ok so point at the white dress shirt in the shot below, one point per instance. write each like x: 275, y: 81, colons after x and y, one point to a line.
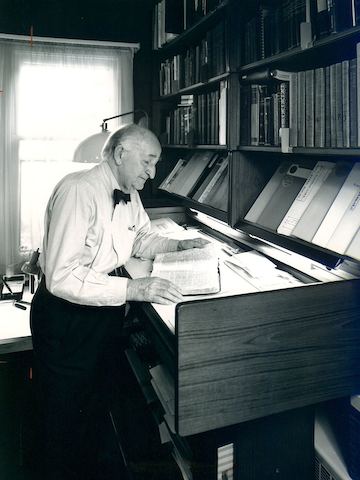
x: 86, y: 238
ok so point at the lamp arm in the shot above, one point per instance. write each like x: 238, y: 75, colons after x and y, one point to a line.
x: 104, y: 126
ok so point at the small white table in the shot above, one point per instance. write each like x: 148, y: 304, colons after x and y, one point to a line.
x: 15, y: 335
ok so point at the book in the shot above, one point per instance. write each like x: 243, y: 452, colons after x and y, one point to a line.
x: 319, y: 110
x: 218, y: 196
x: 222, y: 112
x: 311, y: 186
x: 167, y: 182
x: 191, y: 172
x: 208, y: 173
x: 347, y: 227
x: 309, y: 108
x: 353, y: 102
x: 194, y: 271
x: 315, y: 212
x: 219, y: 167
x: 278, y: 195
x: 332, y: 16
x: 353, y: 250
x: 344, y: 199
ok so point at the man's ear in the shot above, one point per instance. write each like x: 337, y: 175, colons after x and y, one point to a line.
x: 118, y: 154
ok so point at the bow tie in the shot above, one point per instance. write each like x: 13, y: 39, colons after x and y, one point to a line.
x: 119, y: 196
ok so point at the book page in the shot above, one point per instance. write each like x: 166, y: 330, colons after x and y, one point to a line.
x: 194, y: 271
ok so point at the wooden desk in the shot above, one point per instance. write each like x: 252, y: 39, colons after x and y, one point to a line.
x: 256, y: 363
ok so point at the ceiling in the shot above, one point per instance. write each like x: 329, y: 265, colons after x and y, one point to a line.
x: 116, y: 20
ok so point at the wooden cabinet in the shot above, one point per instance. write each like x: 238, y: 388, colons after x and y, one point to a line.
x: 262, y: 84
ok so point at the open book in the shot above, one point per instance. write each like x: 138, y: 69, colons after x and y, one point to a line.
x: 194, y: 271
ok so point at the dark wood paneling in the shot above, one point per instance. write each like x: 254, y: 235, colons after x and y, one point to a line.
x: 249, y: 356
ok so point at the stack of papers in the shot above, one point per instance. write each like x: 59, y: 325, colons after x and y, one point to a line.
x: 261, y: 272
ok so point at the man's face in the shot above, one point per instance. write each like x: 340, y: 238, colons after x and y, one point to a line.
x: 138, y: 163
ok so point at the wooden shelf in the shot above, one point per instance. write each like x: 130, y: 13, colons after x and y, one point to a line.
x: 202, y: 207
x: 349, y: 152
x: 196, y: 147
x: 195, y: 87
x: 297, y: 56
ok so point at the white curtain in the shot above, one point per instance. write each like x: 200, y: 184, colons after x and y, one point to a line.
x: 52, y: 96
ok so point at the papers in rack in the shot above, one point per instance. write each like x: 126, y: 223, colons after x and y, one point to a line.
x: 194, y: 271
x: 165, y: 225
x: 260, y: 272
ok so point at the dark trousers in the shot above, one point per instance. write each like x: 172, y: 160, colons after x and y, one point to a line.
x: 75, y: 350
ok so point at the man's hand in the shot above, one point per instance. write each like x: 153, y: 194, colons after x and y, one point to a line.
x: 154, y: 289
x: 192, y: 243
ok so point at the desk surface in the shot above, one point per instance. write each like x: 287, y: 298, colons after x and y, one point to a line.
x: 231, y: 284
x: 15, y: 332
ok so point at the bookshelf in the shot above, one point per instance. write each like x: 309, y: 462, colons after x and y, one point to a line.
x: 188, y: 110
x: 307, y: 114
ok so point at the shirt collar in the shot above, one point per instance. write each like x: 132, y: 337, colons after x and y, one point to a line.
x: 110, y: 179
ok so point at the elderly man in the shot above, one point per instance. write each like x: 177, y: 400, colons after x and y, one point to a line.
x: 94, y: 222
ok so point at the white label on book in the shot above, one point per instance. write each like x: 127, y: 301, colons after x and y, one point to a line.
x: 225, y: 462
x: 312, y: 185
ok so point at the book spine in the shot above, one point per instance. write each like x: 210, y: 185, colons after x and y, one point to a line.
x: 293, y: 109
x: 339, y: 106
x: 319, y: 107
x: 284, y: 104
x: 358, y: 90
x: 212, y: 182
x: 309, y: 108
x: 346, y: 103
x: 301, y: 108
x: 254, y: 115
x: 327, y: 108
x: 333, y: 123
x: 339, y: 206
x: 353, y: 103
x: 223, y: 113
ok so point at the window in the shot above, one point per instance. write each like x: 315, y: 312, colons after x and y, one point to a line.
x: 57, y: 108
x: 57, y: 95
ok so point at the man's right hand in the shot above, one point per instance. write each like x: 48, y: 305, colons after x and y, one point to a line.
x: 154, y: 289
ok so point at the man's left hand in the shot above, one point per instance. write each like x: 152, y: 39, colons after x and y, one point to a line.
x: 192, y: 243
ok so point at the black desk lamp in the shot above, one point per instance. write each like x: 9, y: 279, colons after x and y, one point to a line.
x: 89, y: 150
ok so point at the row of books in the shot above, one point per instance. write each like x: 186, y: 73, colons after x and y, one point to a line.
x: 196, y: 64
x: 320, y: 205
x: 171, y: 17
x: 199, y: 119
x: 167, y: 22
x: 195, y: 10
x: 202, y: 176
x: 274, y: 27
x: 320, y: 106
x: 264, y: 110
x: 333, y: 16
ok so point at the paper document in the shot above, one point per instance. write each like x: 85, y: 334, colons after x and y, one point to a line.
x: 194, y: 271
x: 261, y: 272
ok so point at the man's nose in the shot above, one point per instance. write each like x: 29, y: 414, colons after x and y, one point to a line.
x: 150, y: 171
